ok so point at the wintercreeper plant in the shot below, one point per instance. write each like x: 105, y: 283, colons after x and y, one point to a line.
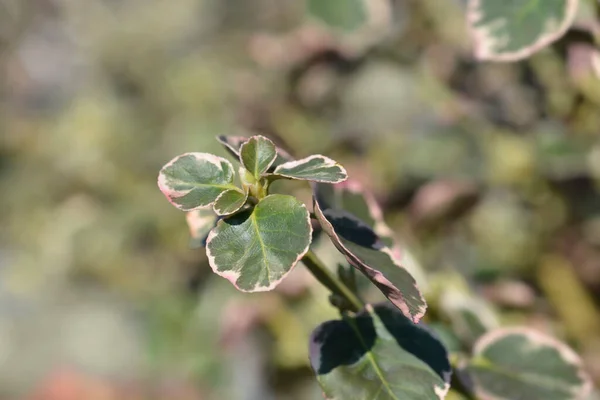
x: 375, y: 351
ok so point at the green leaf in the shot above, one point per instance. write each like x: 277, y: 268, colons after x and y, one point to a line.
x: 230, y: 201
x: 520, y: 363
x: 200, y: 222
x: 195, y: 180
x: 345, y: 15
x: 233, y: 143
x: 513, y: 30
x: 379, y: 354
x: 352, y: 197
x: 366, y: 252
x: 315, y: 168
x: 255, y: 249
x: 257, y: 155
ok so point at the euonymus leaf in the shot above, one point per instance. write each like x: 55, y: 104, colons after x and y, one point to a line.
x: 379, y: 354
x: 315, y: 168
x: 255, y: 249
x: 257, y: 155
x: 513, y: 30
x: 230, y: 201
x: 200, y: 222
x: 195, y: 180
x: 346, y: 15
x: 519, y: 363
x: 365, y: 251
x: 350, y: 196
x: 233, y: 143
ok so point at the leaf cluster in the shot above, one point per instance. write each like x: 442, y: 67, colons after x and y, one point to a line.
x: 375, y: 351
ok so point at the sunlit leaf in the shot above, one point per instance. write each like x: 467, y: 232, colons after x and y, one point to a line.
x: 233, y: 143
x: 257, y: 155
x: 379, y: 354
x: 519, y: 363
x: 256, y: 248
x: 513, y: 30
x: 230, y: 201
x: 315, y: 168
x: 195, y: 180
x: 366, y: 251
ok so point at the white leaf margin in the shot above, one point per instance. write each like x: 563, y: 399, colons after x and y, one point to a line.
x: 233, y: 276
x: 327, y: 163
x: 535, y: 337
x: 172, y: 194
x: 258, y: 138
x: 484, y: 42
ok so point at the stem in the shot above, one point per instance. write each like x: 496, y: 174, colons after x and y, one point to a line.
x: 330, y: 281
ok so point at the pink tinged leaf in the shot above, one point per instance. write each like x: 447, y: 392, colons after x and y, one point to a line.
x: 365, y: 251
x: 194, y: 180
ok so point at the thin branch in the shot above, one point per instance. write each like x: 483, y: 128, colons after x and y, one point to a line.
x: 330, y: 281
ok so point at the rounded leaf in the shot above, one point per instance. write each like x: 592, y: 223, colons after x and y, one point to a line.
x: 257, y: 155
x: 233, y: 143
x: 316, y: 168
x: 379, y: 354
x: 520, y: 363
x: 255, y: 249
x: 513, y: 30
x: 230, y: 201
x: 195, y: 180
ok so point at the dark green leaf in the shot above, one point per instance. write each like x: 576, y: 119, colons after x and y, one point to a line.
x: 255, y: 249
x: 379, y: 354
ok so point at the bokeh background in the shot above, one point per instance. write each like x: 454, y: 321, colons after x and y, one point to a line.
x: 488, y: 173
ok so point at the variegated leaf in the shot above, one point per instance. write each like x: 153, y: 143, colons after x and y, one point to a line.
x: 256, y: 248
x: 366, y: 251
x: 352, y: 197
x: 379, y: 354
x: 195, y: 180
x: 200, y: 222
x: 230, y: 201
x: 257, y: 155
x: 233, y: 143
x: 511, y: 30
x: 316, y: 168
x: 520, y: 363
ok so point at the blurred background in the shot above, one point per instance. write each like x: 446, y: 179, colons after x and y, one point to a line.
x: 488, y: 174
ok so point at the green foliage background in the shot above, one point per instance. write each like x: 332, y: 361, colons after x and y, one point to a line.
x: 488, y: 172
